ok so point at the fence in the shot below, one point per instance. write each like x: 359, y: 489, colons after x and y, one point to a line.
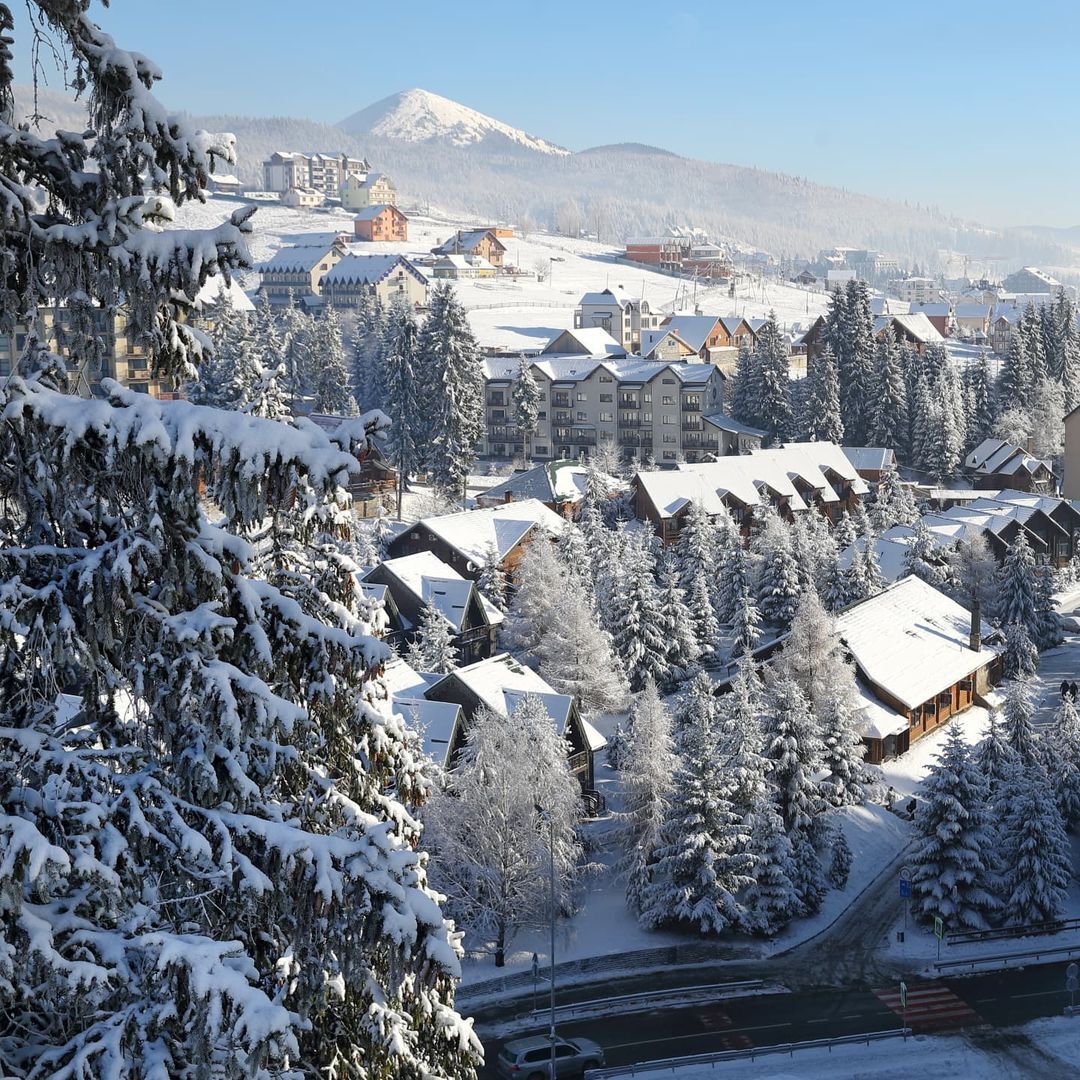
x: 969, y: 937
x: 1064, y: 952
x: 751, y: 1054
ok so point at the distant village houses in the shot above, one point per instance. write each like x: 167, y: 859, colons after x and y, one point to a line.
x: 362, y: 189
x: 381, y: 222
x: 479, y: 242
x: 285, y: 170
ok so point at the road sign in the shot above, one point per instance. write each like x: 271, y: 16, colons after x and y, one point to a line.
x: 939, y: 927
x: 903, y: 995
x: 536, y: 965
x: 905, y: 889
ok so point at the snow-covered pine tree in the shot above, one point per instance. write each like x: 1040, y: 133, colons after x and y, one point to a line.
x: 771, y: 901
x: 1017, y: 588
x: 266, y: 396
x: 576, y: 655
x: 778, y: 574
x: 636, y: 617
x: 925, y: 559
x: 454, y: 370
x: 677, y: 624
x: 746, y: 392
x: 840, y: 863
x: 224, y: 735
x: 647, y: 770
x: 894, y: 503
x: 953, y: 859
x: 821, y: 420
x: 403, y: 394
x: 1018, y: 714
x: 808, y: 877
x: 980, y: 400
x: 734, y: 580
x: 1046, y: 418
x: 492, y: 581
x: 772, y: 365
x: 1061, y: 758
x: 1020, y: 660
x: 1015, y: 378
x: 794, y: 750
x: 540, y: 580
x: 1047, y: 621
x: 490, y: 839
x: 212, y: 385
x: 433, y: 648
x: 889, y: 426
x: 368, y: 376
x: 855, y: 363
x: 331, y: 390
x: 922, y: 419
x: 703, y: 862
x: 526, y: 396
x: 1035, y: 851
x: 740, y: 739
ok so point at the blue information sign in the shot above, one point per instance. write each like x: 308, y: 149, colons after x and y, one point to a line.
x: 905, y: 889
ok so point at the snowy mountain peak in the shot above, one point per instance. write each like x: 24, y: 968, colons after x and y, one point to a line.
x: 421, y: 116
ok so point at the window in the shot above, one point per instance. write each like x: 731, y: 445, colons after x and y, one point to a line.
x: 581, y: 396
x: 668, y: 382
x: 667, y: 399
x: 607, y: 417
x: 540, y: 451
x: 543, y: 396
x: 605, y: 378
x: 668, y: 438
x: 582, y: 416
x: 542, y: 415
x: 647, y: 397
x: 646, y: 418
x: 669, y: 455
x: 605, y: 397
x: 668, y: 419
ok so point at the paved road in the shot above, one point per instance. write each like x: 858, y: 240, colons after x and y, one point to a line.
x: 997, y: 999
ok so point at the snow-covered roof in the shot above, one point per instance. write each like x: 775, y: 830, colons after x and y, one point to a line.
x: 932, y: 309
x: 743, y: 477
x: 436, y: 721
x: 400, y: 678
x: 887, y: 305
x: 369, y: 213
x: 210, y: 294
x: 587, y: 341
x: 652, y: 339
x: 555, y: 481
x: 915, y: 324
x: 732, y: 323
x: 985, y: 450
x: 466, y: 240
x: 694, y: 330
x: 911, y: 641
x: 368, y: 270
x: 601, y: 299
x: 972, y: 311
x: 878, y: 720
x: 297, y: 258
x: 473, y: 532
x: 428, y: 578
x: 870, y: 458
x: 462, y: 262
x: 725, y: 423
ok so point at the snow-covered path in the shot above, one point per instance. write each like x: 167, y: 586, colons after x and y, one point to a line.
x: 1062, y: 663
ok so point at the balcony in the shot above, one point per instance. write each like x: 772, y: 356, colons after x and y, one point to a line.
x: 629, y: 401
x: 497, y: 399
x: 692, y: 425
x: 560, y: 401
x: 691, y: 406
x: 634, y: 440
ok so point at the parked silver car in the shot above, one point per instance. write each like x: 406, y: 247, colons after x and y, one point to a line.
x: 530, y: 1059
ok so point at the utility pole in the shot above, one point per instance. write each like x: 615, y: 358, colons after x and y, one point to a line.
x: 545, y: 815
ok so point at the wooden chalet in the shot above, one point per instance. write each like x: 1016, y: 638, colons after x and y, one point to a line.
x: 499, y: 684
x: 871, y: 462
x: 468, y: 539
x: 920, y: 658
x: 375, y: 478
x: 413, y: 581
x: 995, y: 464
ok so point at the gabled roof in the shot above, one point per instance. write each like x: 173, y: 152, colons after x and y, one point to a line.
x: 462, y: 262
x: 585, y: 341
x: 369, y: 213
x: 912, y: 641
x: 732, y: 324
x: 985, y: 450
x: 726, y: 423
x: 471, y: 533
x: 915, y: 324
x: 870, y: 458
x: 437, y: 723
x: 466, y: 240
x: 373, y: 178
x: 555, y: 481
x: 692, y: 330
x: 209, y: 296
x: 369, y: 270
x: 298, y: 258
x: 652, y: 339
x: 601, y: 299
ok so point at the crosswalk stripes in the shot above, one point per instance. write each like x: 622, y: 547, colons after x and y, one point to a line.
x: 930, y: 1005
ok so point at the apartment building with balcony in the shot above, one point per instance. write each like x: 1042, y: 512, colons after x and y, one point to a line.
x: 325, y: 173
x: 647, y: 410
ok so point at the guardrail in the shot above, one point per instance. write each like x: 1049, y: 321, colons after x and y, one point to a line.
x: 685, y: 995
x: 750, y: 1054
x: 1001, y: 933
x: 1063, y: 952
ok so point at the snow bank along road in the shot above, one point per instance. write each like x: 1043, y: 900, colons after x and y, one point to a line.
x: 997, y: 999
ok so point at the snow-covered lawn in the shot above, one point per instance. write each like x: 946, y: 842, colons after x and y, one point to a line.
x: 522, y: 312
x: 944, y: 1057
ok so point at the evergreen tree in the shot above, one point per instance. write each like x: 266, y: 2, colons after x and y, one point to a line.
x: 492, y: 579
x: 186, y: 853
x: 1015, y: 379
x: 266, y: 397
x: 771, y: 900
x: 741, y: 740
x: 889, y: 426
x: 402, y: 391
x: 980, y: 401
x: 1018, y: 714
x: 638, y: 623
x: 677, y: 625
x: 772, y: 365
x: 794, y: 750
x: 454, y: 373
x: 953, y: 877
x: 648, y: 770
x: 894, y: 504
x: 703, y: 862
x: 212, y: 385
x: 922, y: 418
x: 840, y: 865
x: 746, y: 392
x: 821, y: 420
x: 1035, y: 853
x: 925, y: 559
x: 808, y: 879
x: 1018, y: 589
x: 745, y: 626
x: 1047, y: 621
x: 855, y: 363
x: 733, y: 577
x: 1020, y: 660
x: 368, y: 375
x: 994, y: 759
x: 778, y: 576
x: 1061, y: 758
x: 433, y: 650
x: 526, y: 404
x: 331, y: 391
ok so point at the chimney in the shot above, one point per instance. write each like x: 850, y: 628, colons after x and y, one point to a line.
x: 1031, y: 445
x: 975, y: 637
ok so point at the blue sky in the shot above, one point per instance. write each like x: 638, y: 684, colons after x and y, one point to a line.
x: 966, y: 106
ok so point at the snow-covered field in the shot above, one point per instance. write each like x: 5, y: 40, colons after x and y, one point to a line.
x: 944, y: 1057
x: 524, y: 313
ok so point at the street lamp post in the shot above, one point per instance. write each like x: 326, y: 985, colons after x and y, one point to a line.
x: 545, y: 815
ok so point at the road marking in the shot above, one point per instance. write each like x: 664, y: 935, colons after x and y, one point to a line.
x: 821, y: 1020
x: 852, y: 1016
x: 1037, y: 993
x: 697, y: 1035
